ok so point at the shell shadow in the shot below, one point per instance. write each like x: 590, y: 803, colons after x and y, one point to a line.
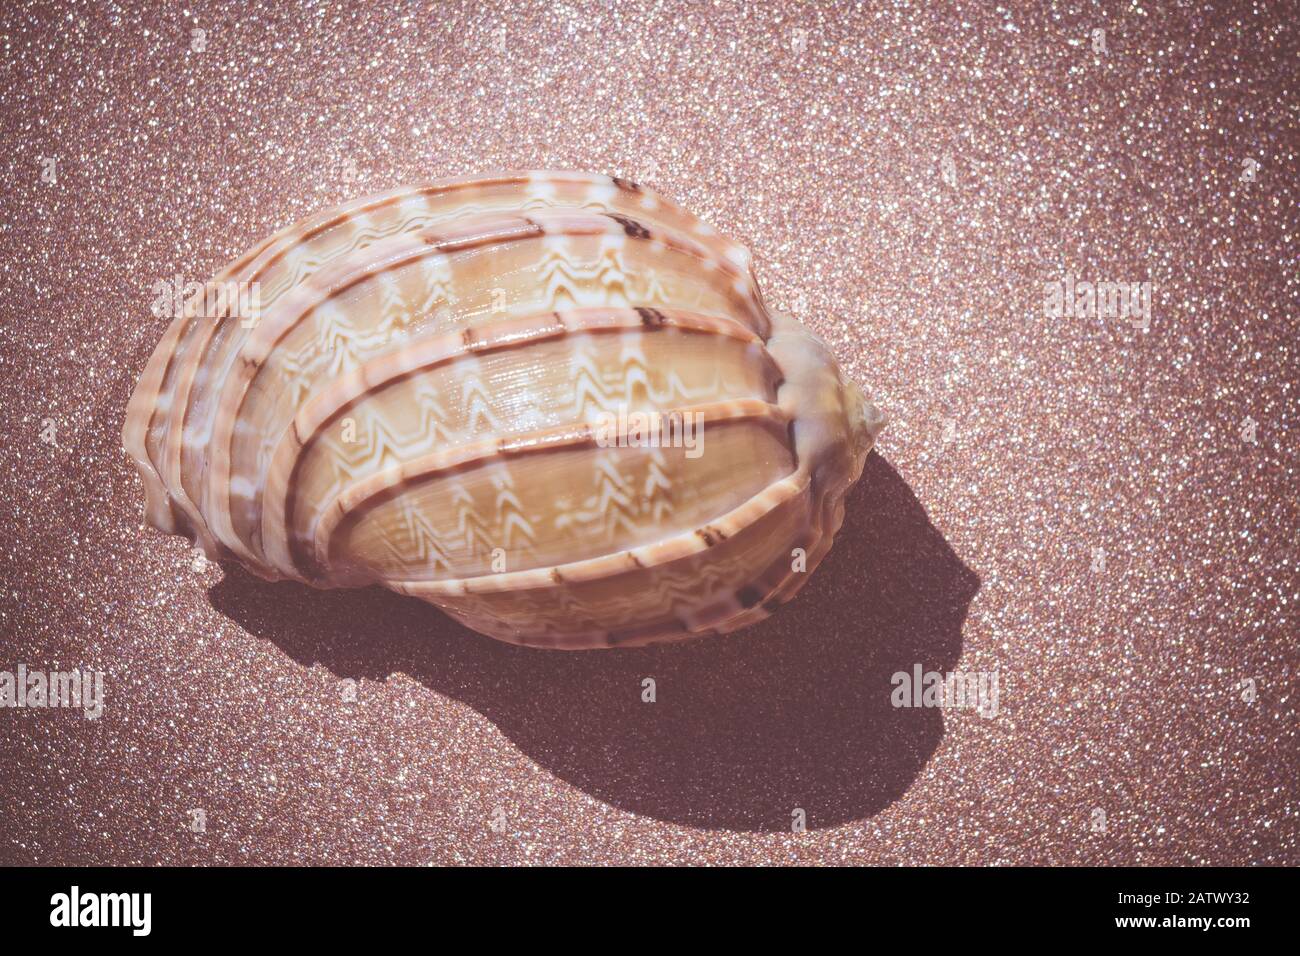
x: 792, y: 713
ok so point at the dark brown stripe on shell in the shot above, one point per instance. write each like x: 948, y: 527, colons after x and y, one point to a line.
x: 630, y: 226
x: 651, y: 318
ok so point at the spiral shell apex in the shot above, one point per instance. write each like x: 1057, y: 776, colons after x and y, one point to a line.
x: 552, y: 404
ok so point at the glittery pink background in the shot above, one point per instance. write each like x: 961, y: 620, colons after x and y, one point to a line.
x: 1155, y: 686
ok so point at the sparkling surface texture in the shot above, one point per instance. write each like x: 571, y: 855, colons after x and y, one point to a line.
x: 1104, y: 515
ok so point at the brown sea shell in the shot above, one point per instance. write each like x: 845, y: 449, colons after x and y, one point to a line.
x: 552, y: 404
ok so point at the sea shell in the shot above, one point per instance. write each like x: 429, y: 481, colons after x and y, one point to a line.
x: 451, y: 389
